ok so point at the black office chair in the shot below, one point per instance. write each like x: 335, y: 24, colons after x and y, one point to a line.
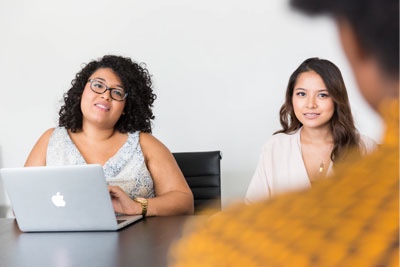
x: 202, y: 171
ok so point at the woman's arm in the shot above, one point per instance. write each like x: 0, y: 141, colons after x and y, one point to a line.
x: 37, y: 157
x: 173, y: 195
x: 258, y: 188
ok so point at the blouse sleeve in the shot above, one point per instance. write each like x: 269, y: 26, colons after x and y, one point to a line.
x: 258, y: 188
x: 368, y: 145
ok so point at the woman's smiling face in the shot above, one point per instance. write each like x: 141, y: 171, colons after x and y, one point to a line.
x: 101, y: 108
x: 312, y: 103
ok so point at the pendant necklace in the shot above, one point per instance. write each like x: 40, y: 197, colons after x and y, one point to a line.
x: 321, y: 168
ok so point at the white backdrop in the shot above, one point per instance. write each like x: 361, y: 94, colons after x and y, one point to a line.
x: 220, y: 68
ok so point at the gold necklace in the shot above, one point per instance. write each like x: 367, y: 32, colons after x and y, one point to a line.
x: 321, y: 168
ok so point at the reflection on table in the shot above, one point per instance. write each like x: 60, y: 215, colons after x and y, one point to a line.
x: 144, y: 243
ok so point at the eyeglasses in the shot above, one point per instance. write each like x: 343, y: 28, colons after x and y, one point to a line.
x: 99, y: 87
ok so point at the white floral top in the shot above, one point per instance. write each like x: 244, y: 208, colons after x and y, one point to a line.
x: 126, y: 168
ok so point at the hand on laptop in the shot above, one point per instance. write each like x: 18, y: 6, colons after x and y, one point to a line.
x: 122, y: 203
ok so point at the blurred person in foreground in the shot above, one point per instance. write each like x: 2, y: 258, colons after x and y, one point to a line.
x: 349, y: 220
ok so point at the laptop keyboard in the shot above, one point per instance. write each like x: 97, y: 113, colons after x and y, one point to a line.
x: 120, y: 221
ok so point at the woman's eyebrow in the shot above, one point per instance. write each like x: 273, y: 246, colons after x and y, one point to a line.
x: 98, y: 78
x: 103, y: 80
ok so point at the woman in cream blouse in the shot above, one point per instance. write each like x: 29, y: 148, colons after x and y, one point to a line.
x: 317, y: 132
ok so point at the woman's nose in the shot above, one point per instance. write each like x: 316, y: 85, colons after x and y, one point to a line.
x: 311, y: 103
x: 106, y: 95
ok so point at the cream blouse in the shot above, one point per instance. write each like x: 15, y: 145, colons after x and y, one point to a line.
x: 281, y: 167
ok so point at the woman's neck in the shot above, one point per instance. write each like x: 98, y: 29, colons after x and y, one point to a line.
x: 316, y: 149
x: 316, y: 135
x: 97, y: 134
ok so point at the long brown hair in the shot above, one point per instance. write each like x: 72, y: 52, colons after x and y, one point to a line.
x: 345, y: 134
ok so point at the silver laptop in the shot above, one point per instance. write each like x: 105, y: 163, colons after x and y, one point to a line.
x: 62, y: 198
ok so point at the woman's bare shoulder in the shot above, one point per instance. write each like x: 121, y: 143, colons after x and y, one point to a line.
x: 151, y: 146
x: 37, y: 156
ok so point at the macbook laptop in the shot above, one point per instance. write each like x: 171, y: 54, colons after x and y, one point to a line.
x: 62, y: 198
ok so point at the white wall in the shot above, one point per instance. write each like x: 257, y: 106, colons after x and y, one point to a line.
x: 220, y: 69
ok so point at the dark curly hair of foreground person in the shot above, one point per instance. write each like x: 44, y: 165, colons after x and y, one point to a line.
x: 136, y: 81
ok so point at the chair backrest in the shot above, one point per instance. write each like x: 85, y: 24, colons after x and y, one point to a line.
x: 202, y: 171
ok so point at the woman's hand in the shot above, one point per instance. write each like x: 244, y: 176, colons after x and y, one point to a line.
x: 122, y: 203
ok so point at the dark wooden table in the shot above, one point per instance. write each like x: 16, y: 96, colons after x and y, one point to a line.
x: 145, y: 243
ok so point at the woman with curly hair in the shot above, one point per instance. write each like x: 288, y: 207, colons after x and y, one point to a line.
x: 106, y: 119
x: 317, y: 132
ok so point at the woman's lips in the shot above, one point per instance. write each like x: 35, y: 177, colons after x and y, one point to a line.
x: 102, y: 106
x: 311, y: 115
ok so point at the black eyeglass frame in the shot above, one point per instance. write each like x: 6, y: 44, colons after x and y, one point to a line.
x: 107, y: 89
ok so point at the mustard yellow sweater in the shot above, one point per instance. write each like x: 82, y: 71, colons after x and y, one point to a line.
x: 351, y: 220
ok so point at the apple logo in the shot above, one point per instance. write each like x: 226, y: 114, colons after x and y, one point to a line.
x: 58, y: 200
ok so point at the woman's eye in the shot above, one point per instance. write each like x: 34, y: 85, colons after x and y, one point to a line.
x: 300, y: 93
x: 118, y: 93
x: 98, y: 85
x: 323, y: 95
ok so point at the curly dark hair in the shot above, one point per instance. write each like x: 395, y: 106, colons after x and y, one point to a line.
x: 136, y: 81
x: 345, y: 135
